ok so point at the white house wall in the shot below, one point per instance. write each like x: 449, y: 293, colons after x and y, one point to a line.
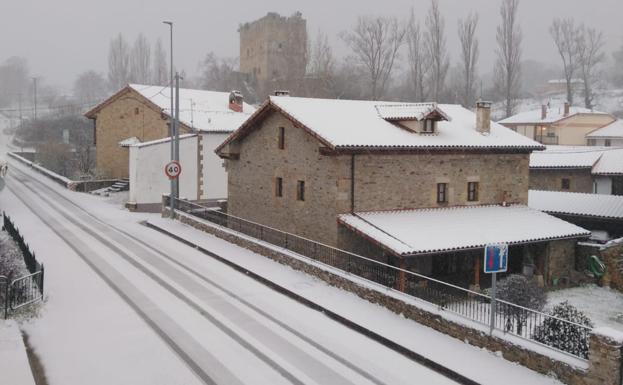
x: 147, y: 179
x: 214, y: 174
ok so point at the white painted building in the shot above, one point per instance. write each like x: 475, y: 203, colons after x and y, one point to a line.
x: 212, y: 116
x: 609, y: 135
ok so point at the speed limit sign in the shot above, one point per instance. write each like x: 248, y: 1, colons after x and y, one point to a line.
x: 173, y: 169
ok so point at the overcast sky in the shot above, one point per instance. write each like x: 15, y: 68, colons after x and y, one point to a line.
x: 61, y: 38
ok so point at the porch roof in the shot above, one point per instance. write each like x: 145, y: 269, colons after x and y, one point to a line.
x: 438, y: 230
x: 578, y: 204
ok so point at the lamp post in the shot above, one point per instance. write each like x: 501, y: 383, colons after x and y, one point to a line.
x: 172, y: 127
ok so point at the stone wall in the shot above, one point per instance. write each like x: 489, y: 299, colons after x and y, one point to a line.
x: 604, y: 358
x: 581, y: 180
x: 560, y: 261
x: 130, y: 115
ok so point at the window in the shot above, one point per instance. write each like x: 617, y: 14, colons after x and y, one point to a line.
x: 607, y: 143
x: 282, y: 138
x: 300, y: 190
x: 278, y: 187
x: 566, y: 183
x: 592, y: 142
x: 136, y: 111
x: 472, y: 191
x: 442, y: 193
x: 429, y: 126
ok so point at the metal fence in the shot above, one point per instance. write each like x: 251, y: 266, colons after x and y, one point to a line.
x: 508, y: 318
x: 25, y: 290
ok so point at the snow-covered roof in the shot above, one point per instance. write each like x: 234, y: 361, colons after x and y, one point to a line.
x: 409, y: 111
x: 428, y: 231
x: 612, y: 130
x: 129, y: 141
x: 199, y: 109
x: 566, y: 157
x: 601, y: 160
x: 593, y: 205
x: 610, y: 163
x: 352, y: 124
x: 554, y: 114
x: 159, y: 141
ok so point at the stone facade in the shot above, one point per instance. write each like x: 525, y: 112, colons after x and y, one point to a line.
x: 273, y: 50
x: 381, y: 181
x: 604, y: 364
x: 129, y: 115
x: 580, y: 180
x: 560, y: 261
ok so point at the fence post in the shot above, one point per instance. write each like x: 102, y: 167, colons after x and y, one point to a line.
x: 6, y: 299
x: 41, y: 278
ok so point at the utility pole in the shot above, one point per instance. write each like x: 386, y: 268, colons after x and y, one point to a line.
x: 177, y: 133
x: 172, y: 127
x: 35, y: 86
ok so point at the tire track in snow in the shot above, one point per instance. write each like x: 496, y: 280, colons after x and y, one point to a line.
x: 306, y: 363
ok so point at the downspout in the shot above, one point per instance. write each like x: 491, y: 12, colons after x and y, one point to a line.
x: 352, y: 183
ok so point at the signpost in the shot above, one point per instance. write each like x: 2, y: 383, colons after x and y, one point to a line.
x: 173, y: 169
x: 496, y: 261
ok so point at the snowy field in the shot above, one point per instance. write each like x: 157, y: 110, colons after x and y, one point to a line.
x: 604, y: 306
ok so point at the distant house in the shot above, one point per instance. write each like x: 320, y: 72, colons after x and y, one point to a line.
x: 563, y: 125
x: 608, y: 135
x: 598, y: 213
x: 417, y: 185
x: 132, y: 140
x: 578, y: 169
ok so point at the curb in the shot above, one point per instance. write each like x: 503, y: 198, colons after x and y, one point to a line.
x: 449, y: 373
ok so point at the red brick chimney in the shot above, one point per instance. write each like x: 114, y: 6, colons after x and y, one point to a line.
x: 543, y: 111
x: 566, y: 109
x: 236, y: 101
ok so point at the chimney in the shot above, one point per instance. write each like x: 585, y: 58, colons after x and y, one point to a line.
x: 483, y: 117
x: 236, y: 101
x: 281, y: 93
x: 566, y: 109
x: 543, y: 111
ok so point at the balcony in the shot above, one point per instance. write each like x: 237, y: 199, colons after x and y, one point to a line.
x: 547, y: 139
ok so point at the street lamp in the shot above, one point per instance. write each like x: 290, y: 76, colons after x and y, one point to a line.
x: 172, y: 127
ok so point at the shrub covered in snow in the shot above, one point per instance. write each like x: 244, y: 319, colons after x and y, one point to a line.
x: 519, y: 290
x: 564, y: 335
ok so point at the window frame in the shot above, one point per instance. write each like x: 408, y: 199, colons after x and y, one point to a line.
x: 565, y: 182
x: 279, y: 187
x: 442, y: 193
x: 300, y: 190
x: 425, y: 127
x: 607, y: 143
x: 281, y: 138
x: 472, y: 191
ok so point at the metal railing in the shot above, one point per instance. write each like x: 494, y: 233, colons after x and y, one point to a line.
x: 509, y: 318
x: 25, y: 290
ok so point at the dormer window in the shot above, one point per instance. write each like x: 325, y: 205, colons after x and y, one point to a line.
x: 429, y: 126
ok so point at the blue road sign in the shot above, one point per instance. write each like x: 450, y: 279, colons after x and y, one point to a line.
x: 496, y: 258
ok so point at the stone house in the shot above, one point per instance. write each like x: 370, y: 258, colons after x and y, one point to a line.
x: 597, y: 170
x: 141, y: 113
x: 422, y: 186
x: 563, y: 125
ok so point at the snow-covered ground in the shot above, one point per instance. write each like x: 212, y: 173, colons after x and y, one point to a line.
x: 85, y: 322
x: 603, y: 305
x: 14, y: 366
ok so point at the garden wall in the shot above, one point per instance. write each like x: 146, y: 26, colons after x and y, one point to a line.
x: 604, y: 364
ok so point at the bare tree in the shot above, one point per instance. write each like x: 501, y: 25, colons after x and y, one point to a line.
x: 565, y: 35
x: 469, y: 58
x: 160, y: 67
x: 376, y: 41
x: 140, y: 61
x: 218, y: 74
x: 418, y: 59
x: 507, y: 73
x: 90, y: 87
x: 617, y: 70
x: 590, y: 54
x: 321, y: 66
x: 435, y: 42
x: 118, y: 63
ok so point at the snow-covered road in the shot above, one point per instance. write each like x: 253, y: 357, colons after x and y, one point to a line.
x: 166, y: 318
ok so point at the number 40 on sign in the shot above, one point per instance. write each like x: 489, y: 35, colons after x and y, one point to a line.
x: 173, y: 169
